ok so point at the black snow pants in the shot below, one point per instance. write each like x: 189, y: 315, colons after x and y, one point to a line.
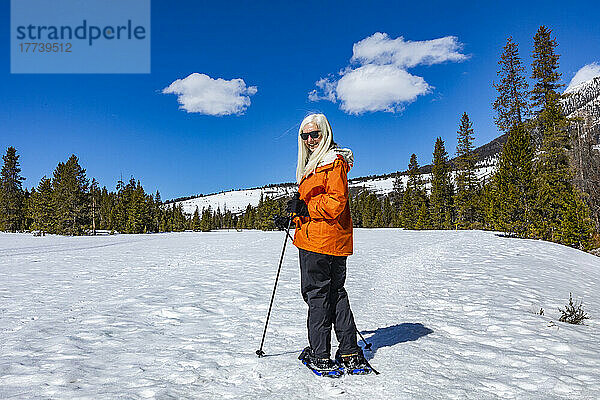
x: 322, y: 279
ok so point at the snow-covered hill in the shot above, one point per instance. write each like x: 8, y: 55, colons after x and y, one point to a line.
x: 450, y: 314
x: 583, y: 102
x: 237, y: 200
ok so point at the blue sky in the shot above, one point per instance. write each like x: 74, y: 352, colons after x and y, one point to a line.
x: 124, y: 125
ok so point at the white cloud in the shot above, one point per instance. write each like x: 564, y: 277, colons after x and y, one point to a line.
x: 378, y: 88
x: 328, y: 89
x: 380, y: 49
x: 377, y: 77
x: 199, y: 93
x: 586, y: 73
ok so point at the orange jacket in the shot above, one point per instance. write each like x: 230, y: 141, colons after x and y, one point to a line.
x: 328, y: 230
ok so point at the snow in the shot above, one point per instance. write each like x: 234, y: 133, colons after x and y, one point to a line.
x: 584, y: 77
x: 583, y: 101
x: 451, y: 314
x: 380, y: 186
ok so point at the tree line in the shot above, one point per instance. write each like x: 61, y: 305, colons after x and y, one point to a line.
x: 69, y: 204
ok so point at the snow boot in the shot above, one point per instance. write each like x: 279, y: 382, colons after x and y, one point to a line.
x: 320, y: 366
x: 355, y: 363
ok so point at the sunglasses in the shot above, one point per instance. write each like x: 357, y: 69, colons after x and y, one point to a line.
x: 313, y: 134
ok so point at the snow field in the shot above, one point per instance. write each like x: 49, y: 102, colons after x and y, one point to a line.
x: 180, y: 315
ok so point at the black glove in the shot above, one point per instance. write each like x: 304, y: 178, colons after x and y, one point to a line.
x: 281, y: 222
x: 297, y: 206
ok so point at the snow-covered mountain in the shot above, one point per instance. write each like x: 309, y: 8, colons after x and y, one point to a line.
x: 450, y: 315
x: 583, y: 103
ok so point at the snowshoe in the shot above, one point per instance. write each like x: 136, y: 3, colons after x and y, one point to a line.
x: 320, y: 366
x: 354, y: 364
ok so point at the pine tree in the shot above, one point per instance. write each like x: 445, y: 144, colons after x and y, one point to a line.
x: 407, y: 213
x: 356, y: 210
x: 260, y: 212
x: 415, y: 181
x: 511, y: 191
x: 396, y: 197
x: 544, y: 95
x: 441, y: 188
x: 247, y: 219
x: 42, y: 211
x: 575, y: 228
x: 151, y: 218
x: 240, y: 222
x: 228, y: 218
x: 512, y: 184
x: 371, y: 215
x: 265, y: 212
x: 161, y: 213
x: 163, y: 225
x: 95, y: 201
x: 158, y: 213
x: 511, y: 105
x: 557, y: 199
x: 28, y: 208
x: 397, y: 190
x: 11, y: 192
x: 206, y: 222
x: 136, y: 208
x: 218, y: 219
x: 106, y: 203
x: 388, y: 214
x: 196, y: 220
x: 118, y: 212
x: 466, y: 180
x: 70, y: 198
x: 552, y: 165
x: 367, y: 213
x: 423, y: 217
x: 488, y: 208
x: 178, y: 218
x: 414, y: 195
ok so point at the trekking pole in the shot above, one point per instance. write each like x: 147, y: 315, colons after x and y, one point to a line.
x: 260, y: 352
x: 368, y: 347
x: 367, y: 344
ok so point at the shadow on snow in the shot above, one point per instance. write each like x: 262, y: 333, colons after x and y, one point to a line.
x: 392, y: 335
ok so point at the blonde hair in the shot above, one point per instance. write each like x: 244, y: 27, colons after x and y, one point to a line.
x: 307, y: 161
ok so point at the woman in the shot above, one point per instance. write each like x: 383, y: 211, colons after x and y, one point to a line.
x: 324, y: 239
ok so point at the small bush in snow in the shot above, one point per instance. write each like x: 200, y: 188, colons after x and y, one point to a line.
x: 572, y: 314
